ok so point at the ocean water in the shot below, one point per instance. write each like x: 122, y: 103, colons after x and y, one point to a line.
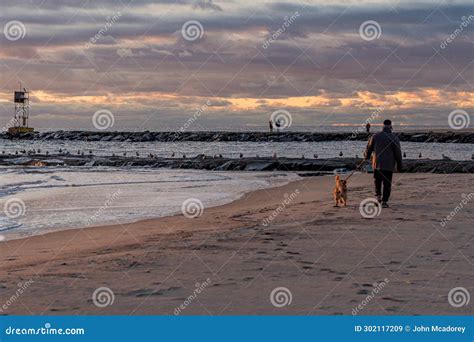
x: 42, y: 200
x: 327, y: 149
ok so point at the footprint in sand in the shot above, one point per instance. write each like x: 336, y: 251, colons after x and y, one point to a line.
x: 63, y: 309
x: 224, y: 284
x: 306, y: 262
x: 151, y: 292
x: 393, y: 299
x: 327, y: 270
x: 362, y: 292
x: 393, y: 308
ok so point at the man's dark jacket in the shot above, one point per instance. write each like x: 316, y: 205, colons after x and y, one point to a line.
x: 384, y: 148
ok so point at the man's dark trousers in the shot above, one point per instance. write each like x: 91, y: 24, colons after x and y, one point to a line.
x: 385, y: 177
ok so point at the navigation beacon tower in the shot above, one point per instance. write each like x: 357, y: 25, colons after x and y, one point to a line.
x: 22, y: 112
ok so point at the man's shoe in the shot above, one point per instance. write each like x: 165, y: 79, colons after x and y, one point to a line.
x: 385, y: 205
x: 379, y: 199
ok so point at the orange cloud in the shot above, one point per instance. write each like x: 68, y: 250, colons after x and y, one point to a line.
x: 364, y: 100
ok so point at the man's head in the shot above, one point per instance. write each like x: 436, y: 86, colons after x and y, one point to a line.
x: 387, y: 125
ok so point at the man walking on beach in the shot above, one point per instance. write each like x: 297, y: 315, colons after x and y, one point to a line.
x: 384, y: 148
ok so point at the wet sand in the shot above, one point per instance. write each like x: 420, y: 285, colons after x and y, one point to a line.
x: 330, y: 259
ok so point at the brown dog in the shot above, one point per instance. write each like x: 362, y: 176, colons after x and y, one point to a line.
x: 340, y: 192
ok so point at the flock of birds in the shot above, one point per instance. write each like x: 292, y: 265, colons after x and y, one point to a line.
x: 173, y: 154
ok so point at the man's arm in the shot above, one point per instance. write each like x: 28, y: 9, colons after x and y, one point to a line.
x: 369, y: 149
x: 397, y: 150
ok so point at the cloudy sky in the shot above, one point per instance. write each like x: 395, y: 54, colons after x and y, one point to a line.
x: 153, y: 64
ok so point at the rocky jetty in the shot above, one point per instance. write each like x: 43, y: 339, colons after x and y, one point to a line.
x: 203, y: 162
x: 438, y: 136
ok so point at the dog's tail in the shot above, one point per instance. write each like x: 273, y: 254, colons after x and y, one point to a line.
x: 337, y: 178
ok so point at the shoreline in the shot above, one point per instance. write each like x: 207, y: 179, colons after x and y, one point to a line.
x: 217, y: 202
x: 327, y: 257
x: 148, y: 220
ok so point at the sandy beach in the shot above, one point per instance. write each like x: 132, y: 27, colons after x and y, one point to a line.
x: 329, y: 259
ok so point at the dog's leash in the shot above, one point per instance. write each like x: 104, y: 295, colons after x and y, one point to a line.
x: 356, y: 169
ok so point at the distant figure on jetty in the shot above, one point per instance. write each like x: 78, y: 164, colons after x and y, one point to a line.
x: 445, y: 157
x: 420, y: 156
x: 315, y: 156
x: 241, y: 155
x: 404, y: 155
x: 367, y: 127
x: 270, y: 126
x: 278, y: 125
x: 341, y: 154
x: 385, y: 151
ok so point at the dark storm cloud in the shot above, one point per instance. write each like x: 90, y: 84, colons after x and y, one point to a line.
x: 76, y: 24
